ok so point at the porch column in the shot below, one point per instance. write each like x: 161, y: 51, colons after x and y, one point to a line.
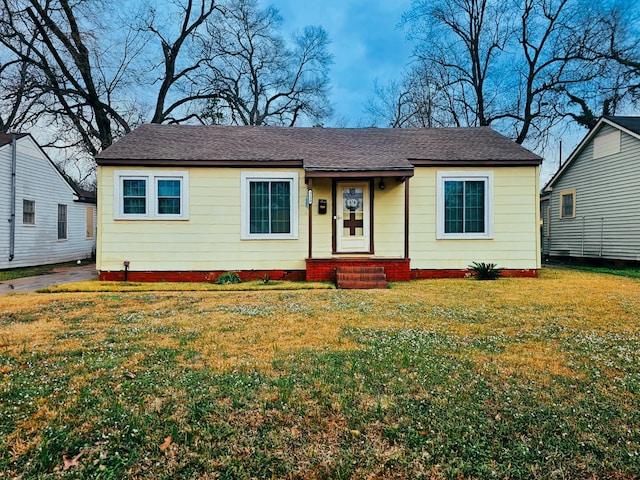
x: 310, y: 187
x: 406, y: 218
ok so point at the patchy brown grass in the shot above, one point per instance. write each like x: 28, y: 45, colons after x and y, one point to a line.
x: 328, y: 383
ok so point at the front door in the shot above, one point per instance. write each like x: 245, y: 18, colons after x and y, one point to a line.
x: 352, y: 217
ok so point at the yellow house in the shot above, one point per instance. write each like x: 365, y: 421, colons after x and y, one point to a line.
x: 181, y: 202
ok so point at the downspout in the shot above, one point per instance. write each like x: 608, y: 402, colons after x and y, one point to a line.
x: 12, y: 219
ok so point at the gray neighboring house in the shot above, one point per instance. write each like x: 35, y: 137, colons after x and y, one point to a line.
x: 590, y: 209
x: 45, y: 219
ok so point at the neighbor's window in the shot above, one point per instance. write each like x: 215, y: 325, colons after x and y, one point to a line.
x: 28, y: 212
x: 464, y: 205
x: 568, y: 204
x: 62, y: 222
x: 269, y: 205
x: 146, y: 195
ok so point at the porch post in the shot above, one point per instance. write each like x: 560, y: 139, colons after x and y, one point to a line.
x: 406, y: 218
x: 310, y: 187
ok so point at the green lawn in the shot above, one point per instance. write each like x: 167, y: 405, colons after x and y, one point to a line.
x: 456, y: 379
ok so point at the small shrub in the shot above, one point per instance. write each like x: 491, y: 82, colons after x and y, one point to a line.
x: 485, y: 271
x: 266, y: 279
x: 229, y: 277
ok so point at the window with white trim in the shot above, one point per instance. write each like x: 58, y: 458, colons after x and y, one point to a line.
x: 146, y: 195
x: 464, y: 205
x: 269, y: 205
x: 28, y: 212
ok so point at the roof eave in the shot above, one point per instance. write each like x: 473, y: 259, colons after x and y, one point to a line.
x: 150, y: 162
x: 357, y: 173
x: 419, y: 162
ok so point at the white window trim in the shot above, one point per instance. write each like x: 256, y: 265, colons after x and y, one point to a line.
x: 151, y: 178
x: 455, y: 175
x: 35, y: 217
x: 247, y: 177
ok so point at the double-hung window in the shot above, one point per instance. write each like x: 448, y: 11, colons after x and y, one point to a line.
x: 568, y: 204
x: 28, y: 212
x: 146, y: 195
x: 464, y: 205
x: 62, y: 222
x: 269, y: 205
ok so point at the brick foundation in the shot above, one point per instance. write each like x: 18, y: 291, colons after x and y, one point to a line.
x: 211, y: 276
x: 430, y: 274
x: 324, y: 269
x: 318, y: 270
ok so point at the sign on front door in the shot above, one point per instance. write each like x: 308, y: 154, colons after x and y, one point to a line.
x: 352, y: 217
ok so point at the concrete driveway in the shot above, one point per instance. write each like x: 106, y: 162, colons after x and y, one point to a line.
x: 58, y: 276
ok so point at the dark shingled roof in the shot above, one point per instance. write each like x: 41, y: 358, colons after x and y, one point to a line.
x: 5, y: 138
x: 316, y: 149
x: 630, y: 123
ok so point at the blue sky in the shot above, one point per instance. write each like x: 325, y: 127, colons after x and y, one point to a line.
x: 367, y: 46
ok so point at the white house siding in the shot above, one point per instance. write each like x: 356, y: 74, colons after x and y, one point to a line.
x: 38, y: 180
x: 607, y: 217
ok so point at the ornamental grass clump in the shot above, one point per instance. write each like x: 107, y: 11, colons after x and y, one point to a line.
x: 485, y: 271
x: 229, y: 277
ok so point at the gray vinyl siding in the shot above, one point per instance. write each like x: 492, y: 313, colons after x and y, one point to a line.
x: 607, y: 208
x: 38, y: 180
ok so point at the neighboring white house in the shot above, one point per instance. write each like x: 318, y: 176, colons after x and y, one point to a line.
x: 44, y: 218
x: 590, y: 208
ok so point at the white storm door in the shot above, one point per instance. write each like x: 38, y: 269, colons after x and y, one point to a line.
x: 352, y: 217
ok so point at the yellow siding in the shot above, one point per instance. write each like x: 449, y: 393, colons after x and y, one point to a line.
x: 208, y: 240
x: 322, y: 224
x: 388, y: 229
x: 515, y: 242
x: 211, y: 238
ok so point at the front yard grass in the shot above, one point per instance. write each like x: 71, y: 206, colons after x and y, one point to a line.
x: 456, y: 379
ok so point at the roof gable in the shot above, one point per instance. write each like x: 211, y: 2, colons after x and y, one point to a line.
x: 81, y: 194
x: 314, y: 149
x: 629, y: 125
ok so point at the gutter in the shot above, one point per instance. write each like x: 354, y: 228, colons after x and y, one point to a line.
x: 12, y: 219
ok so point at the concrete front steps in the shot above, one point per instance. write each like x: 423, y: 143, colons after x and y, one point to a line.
x: 361, y: 277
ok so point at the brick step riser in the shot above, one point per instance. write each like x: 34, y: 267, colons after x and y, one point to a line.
x: 365, y: 277
x: 360, y: 269
x: 362, y: 285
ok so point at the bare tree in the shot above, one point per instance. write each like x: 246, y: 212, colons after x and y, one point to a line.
x: 459, y: 44
x: 181, y: 78
x: 415, y: 101
x: 523, y: 66
x: 63, y: 79
x: 256, y: 76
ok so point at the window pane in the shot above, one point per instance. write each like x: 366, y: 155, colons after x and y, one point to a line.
x: 62, y: 222
x: 280, y: 207
x: 168, y: 188
x: 169, y: 197
x: 134, y: 193
x: 474, y: 207
x: 28, y: 212
x: 453, y: 206
x: 258, y: 207
x: 567, y: 205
